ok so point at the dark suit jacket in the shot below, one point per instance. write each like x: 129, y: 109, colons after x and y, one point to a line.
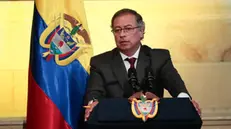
x: 108, y: 75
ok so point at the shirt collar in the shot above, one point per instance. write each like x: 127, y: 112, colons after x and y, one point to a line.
x: 136, y: 54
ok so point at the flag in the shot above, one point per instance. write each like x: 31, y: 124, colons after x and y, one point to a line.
x: 59, y: 64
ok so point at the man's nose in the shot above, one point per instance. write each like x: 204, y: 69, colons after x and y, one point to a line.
x: 122, y: 33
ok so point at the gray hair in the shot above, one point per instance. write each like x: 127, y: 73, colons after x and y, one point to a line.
x: 139, y: 19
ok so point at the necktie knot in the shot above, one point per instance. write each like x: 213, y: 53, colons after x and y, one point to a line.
x: 131, y: 61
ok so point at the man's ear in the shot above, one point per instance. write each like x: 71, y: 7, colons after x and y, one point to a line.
x: 142, y: 29
x: 142, y: 32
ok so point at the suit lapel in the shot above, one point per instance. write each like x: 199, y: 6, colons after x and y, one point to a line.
x: 143, y: 62
x: 120, y: 71
x: 119, y: 68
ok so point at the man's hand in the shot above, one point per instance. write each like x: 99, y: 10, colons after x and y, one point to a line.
x: 196, y: 105
x: 89, y: 109
x: 150, y: 95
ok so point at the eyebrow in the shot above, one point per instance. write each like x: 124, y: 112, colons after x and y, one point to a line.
x: 123, y: 26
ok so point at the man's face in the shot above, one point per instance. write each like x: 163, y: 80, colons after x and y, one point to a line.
x: 126, y: 33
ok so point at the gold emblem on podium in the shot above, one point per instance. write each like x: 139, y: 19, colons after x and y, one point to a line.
x: 144, y: 108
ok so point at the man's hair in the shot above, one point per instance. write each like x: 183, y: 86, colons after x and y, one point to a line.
x: 139, y: 18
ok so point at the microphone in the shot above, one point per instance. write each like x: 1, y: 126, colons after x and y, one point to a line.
x: 132, y: 80
x: 150, y: 79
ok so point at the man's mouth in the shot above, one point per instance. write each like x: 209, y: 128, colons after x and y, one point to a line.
x: 123, y: 42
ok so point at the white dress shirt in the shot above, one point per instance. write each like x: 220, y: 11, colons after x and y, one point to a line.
x: 126, y: 63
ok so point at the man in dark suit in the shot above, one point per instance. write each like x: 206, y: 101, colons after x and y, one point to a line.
x: 109, y: 71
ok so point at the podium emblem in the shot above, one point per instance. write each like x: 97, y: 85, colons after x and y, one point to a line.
x: 144, y: 109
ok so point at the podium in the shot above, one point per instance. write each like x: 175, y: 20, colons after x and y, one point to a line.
x: 173, y: 113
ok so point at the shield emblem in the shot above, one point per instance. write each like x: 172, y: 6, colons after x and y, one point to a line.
x: 61, y: 42
x: 144, y: 108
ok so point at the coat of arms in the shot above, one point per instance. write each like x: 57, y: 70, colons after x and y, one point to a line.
x: 65, y: 39
x: 144, y: 108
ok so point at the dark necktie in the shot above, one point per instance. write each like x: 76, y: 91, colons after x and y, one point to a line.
x: 131, y: 61
x: 128, y: 90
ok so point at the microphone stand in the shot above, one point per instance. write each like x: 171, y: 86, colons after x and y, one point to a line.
x: 133, y: 81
